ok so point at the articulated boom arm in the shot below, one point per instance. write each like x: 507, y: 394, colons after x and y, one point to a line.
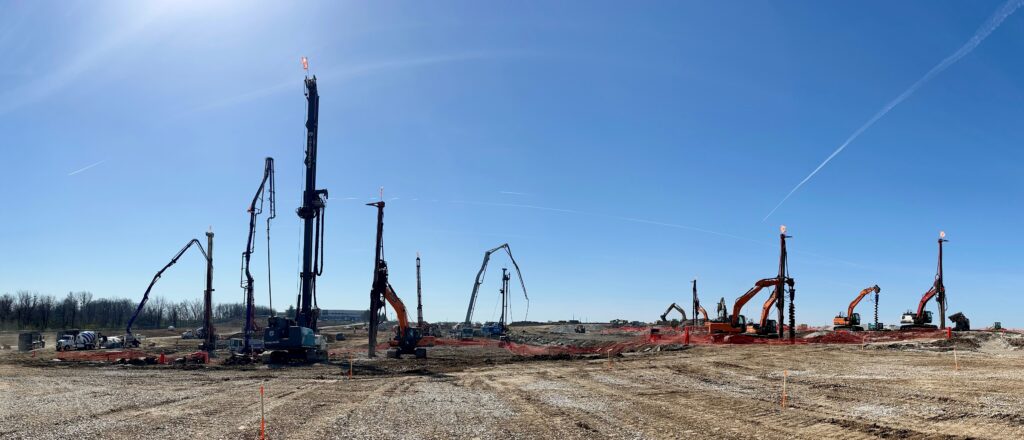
x: 742, y: 300
x: 145, y: 296
x: 931, y: 293
x: 664, y: 316
x: 480, y: 279
x: 860, y: 296
x: 767, y: 307
x: 399, y: 306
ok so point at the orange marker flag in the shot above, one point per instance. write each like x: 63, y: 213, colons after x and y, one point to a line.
x: 305, y: 64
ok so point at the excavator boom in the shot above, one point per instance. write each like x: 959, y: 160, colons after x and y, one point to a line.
x: 400, y: 310
x: 746, y: 297
x: 860, y: 296
x: 664, y: 316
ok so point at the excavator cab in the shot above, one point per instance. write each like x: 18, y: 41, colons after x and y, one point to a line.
x: 770, y: 327
x: 912, y: 320
x: 407, y: 343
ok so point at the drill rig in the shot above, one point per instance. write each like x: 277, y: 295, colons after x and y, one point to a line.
x: 296, y: 338
x: 736, y: 323
x: 209, y: 344
x: 407, y: 339
x: 697, y: 308
x: 255, y: 209
x: 922, y: 319
x: 851, y: 321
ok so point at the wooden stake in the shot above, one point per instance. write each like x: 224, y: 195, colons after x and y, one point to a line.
x: 350, y: 366
x: 263, y: 420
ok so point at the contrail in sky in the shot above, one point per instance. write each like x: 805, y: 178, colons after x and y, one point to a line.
x: 86, y: 168
x: 983, y: 32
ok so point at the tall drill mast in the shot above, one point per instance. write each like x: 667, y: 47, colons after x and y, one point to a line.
x: 419, y: 295
x: 312, y: 214
x: 380, y: 280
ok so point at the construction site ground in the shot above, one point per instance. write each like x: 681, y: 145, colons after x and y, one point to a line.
x: 908, y: 390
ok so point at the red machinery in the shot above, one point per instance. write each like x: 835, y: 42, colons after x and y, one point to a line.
x: 922, y: 319
x: 736, y: 323
x: 851, y: 321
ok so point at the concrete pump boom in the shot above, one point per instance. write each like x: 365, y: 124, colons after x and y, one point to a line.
x: 129, y: 338
x: 256, y: 208
x: 480, y: 279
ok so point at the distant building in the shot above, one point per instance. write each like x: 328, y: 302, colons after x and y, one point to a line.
x: 342, y: 315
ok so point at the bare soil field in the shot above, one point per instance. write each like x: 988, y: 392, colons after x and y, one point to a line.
x: 907, y: 390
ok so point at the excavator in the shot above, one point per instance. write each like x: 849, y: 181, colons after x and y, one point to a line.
x: 922, y: 319
x: 737, y: 323
x: 674, y: 306
x: 851, y: 321
x: 407, y: 339
x: 765, y: 326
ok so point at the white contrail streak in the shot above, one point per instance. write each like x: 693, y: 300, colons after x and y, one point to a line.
x: 86, y: 168
x: 983, y: 32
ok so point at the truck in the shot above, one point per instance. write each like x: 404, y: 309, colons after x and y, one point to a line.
x: 70, y: 340
x: 28, y: 341
x: 237, y: 345
x: 199, y: 333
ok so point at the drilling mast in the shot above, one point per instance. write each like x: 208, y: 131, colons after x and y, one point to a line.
x: 312, y: 214
x: 297, y: 339
x: 419, y: 295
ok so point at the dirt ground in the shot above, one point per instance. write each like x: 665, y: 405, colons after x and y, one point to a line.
x: 907, y: 390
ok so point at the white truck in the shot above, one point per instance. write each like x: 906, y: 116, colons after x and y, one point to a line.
x: 79, y: 340
x: 235, y: 345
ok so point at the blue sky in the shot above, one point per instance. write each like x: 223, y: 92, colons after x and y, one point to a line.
x: 602, y: 141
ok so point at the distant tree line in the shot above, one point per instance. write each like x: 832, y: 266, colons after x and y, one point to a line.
x: 31, y: 310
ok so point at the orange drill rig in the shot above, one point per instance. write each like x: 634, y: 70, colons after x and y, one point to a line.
x: 851, y: 321
x: 736, y: 323
x: 407, y: 339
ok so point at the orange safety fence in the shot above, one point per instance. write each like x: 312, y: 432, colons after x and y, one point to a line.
x: 105, y: 355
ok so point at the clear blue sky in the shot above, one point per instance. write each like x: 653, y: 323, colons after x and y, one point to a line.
x: 635, y: 122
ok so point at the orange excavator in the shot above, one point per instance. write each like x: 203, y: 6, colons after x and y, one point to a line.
x: 736, y: 323
x: 851, y: 321
x: 923, y: 318
x: 765, y: 326
x: 407, y: 339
